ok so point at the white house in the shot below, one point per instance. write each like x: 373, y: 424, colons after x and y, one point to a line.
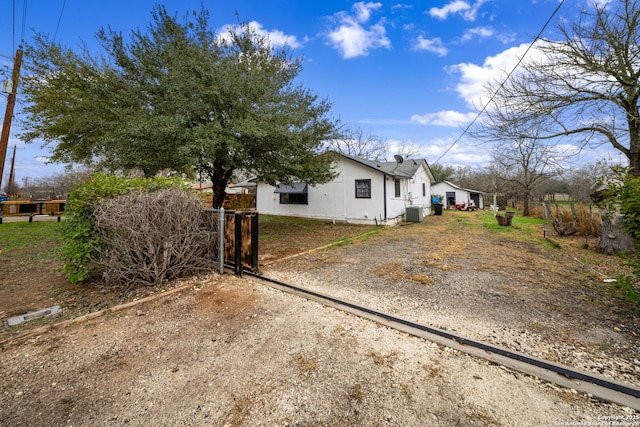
x: 453, y: 194
x: 363, y: 192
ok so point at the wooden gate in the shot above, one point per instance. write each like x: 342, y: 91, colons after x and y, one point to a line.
x: 240, y: 231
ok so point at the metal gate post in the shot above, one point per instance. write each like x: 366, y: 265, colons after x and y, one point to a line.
x: 238, y: 244
x: 254, y: 241
x: 221, y: 239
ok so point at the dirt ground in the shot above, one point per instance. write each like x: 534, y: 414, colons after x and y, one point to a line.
x: 230, y: 351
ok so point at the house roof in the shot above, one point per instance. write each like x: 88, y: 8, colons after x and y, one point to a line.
x: 451, y: 184
x: 202, y: 186
x: 294, y: 188
x: 406, y: 169
x: 247, y: 183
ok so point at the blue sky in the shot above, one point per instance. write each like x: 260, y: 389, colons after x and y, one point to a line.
x: 408, y: 72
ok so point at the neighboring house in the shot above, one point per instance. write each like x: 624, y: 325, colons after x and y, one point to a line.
x: 363, y: 192
x: 207, y: 187
x: 240, y: 196
x: 453, y: 194
x: 246, y: 187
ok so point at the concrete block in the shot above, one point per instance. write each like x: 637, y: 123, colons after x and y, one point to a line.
x: 16, y: 320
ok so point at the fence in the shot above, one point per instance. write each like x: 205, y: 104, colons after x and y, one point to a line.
x: 233, y: 238
x: 575, y: 218
x: 39, y: 207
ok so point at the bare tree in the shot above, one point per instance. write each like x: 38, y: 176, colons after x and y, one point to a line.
x: 461, y: 174
x: 409, y: 150
x: 585, y: 87
x: 580, y: 182
x: 527, y: 163
x: 360, y: 143
x: 59, y: 185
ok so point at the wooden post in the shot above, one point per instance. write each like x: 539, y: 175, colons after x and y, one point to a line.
x: 8, y: 115
x: 254, y: 241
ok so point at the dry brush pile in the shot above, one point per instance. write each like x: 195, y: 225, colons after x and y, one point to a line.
x: 150, y: 238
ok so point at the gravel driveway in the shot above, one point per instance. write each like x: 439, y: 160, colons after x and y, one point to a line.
x: 232, y: 352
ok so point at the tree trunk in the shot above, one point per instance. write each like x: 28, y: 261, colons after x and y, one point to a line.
x: 219, y: 193
x: 613, y: 237
x: 546, y: 211
x: 505, y: 221
x: 564, y: 228
x: 633, y: 154
x: 219, y: 180
x: 525, y: 206
x: 634, y: 163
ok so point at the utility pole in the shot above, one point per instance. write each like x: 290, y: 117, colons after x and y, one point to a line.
x: 11, y: 185
x: 8, y: 115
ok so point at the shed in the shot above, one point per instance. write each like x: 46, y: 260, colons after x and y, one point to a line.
x: 453, y: 194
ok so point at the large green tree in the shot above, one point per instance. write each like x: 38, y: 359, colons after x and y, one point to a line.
x: 179, y: 97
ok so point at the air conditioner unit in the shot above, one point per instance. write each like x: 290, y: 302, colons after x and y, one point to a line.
x: 414, y: 214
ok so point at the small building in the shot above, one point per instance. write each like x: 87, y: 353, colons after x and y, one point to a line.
x: 452, y: 194
x: 247, y: 186
x: 363, y: 192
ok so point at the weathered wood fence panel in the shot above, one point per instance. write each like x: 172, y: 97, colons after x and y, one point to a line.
x: 240, y: 238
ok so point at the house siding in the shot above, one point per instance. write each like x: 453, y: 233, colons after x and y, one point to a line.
x: 337, y: 200
x: 461, y: 195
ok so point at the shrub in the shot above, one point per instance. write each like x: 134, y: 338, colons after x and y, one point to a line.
x: 149, y: 238
x: 629, y: 195
x: 628, y: 287
x: 81, y: 242
x: 623, y: 193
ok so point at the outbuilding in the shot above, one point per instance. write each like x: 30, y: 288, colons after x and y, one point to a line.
x: 452, y: 194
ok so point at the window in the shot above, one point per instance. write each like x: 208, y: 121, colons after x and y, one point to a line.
x: 294, y: 199
x: 424, y: 190
x: 397, y: 185
x: 363, y: 188
x: 295, y: 194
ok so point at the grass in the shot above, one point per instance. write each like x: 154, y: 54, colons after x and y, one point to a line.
x: 523, y: 224
x: 280, y: 236
x: 350, y: 240
x: 36, y: 236
x: 28, y: 251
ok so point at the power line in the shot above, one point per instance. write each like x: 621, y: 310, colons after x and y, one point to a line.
x: 24, y: 21
x: 13, y: 26
x: 59, y: 19
x: 484, y: 108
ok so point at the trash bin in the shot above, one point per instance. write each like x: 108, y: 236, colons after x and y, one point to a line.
x: 437, y: 209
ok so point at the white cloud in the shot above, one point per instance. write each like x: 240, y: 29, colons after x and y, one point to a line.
x: 363, y: 10
x: 434, y: 45
x: 401, y: 6
x: 407, y: 147
x: 453, y: 7
x: 600, y: 4
x: 506, y: 38
x: 443, y: 118
x: 482, y: 32
x: 352, y: 37
x: 467, y: 10
x: 474, y: 78
x: 277, y: 38
x: 460, y: 154
x: 467, y: 157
